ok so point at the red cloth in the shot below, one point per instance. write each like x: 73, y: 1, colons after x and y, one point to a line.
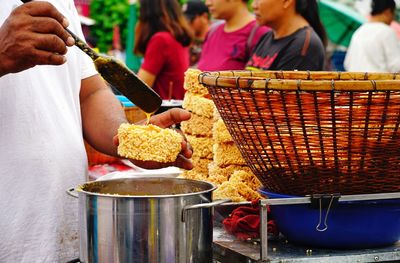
x: 244, y: 222
x: 98, y: 170
x: 168, y: 60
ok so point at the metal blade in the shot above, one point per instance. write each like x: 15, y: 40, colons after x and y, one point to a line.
x: 128, y: 83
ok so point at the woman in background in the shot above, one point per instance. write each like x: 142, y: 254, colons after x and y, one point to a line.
x: 297, y: 40
x: 229, y: 43
x: 163, y: 37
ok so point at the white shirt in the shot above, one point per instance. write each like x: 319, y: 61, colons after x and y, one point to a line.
x: 374, y: 47
x: 41, y: 154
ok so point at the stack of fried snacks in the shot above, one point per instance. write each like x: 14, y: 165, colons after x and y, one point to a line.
x: 216, y: 158
x: 229, y: 170
x: 198, y: 130
x: 226, y: 156
x: 240, y: 187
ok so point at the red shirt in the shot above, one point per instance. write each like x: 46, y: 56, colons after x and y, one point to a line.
x: 229, y: 50
x: 168, y: 60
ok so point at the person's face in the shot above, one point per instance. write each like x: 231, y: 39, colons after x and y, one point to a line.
x: 200, y: 22
x: 269, y: 11
x: 222, y: 9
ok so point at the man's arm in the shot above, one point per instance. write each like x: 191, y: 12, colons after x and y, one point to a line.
x: 102, y: 114
x: 33, y: 34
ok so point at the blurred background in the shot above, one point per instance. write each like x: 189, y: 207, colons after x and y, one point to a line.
x: 109, y: 26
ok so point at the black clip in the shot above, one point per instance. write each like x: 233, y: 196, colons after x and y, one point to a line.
x: 321, y: 201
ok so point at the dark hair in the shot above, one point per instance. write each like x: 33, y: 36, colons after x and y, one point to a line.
x: 161, y: 16
x: 194, y: 8
x: 378, y: 6
x: 309, y: 10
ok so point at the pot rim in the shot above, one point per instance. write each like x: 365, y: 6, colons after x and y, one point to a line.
x: 212, y: 188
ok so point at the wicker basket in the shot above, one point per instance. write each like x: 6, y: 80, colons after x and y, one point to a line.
x: 313, y: 132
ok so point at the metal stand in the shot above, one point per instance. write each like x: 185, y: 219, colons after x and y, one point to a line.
x: 307, y: 200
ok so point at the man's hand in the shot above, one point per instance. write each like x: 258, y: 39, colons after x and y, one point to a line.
x: 33, y: 34
x: 165, y: 120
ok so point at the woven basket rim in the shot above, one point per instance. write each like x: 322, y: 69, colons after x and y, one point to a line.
x: 302, y: 80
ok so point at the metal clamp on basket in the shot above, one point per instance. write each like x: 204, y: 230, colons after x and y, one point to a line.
x: 324, y: 201
x: 319, y: 201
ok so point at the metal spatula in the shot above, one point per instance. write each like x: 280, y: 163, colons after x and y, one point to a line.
x: 121, y: 77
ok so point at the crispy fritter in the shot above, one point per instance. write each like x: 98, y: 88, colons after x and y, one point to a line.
x: 221, y: 133
x: 236, y: 191
x: 198, y: 105
x: 148, y: 143
x: 228, y: 191
x: 201, y: 165
x: 202, y: 146
x: 218, y: 175
x: 246, y: 177
x: 198, y: 126
x: 192, y: 84
x: 194, y: 174
x: 227, y: 154
x: 216, y: 114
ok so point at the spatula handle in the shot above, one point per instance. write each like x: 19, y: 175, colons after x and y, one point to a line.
x: 83, y: 46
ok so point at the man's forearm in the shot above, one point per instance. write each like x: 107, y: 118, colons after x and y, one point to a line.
x: 102, y: 115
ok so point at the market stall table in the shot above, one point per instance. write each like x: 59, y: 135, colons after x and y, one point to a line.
x: 229, y: 250
x: 226, y: 248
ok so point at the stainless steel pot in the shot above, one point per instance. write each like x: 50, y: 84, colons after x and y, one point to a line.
x: 145, y: 220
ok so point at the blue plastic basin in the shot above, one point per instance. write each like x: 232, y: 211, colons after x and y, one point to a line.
x: 351, y: 225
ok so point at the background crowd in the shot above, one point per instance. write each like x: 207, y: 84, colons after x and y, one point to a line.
x: 213, y: 35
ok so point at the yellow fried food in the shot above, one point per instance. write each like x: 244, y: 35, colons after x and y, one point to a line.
x: 228, y: 191
x: 148, y: 143
x: 218, y: 175
x: 198, y: 125
x: 220, y: 132
x: 191, y: 82
x: 236, y: 191
x: 247, y: 177
x: 202, y: 146
x: 194, y: 174
x: 201, y: 165
x: 227, y: 154
x: 198, y: 105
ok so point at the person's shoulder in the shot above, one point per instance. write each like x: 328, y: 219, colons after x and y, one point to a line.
x: 316, y: 43
x: 301, y: 35
x: 162, y: 36
x: 305, y: 33
x: 216, y: 26
x: 307, y: 38
x: 375, y: 27
x: 216, y: 29
x: 267, y: 35
x: 263, y: 29
x: 382, y: 31
x: 314, y: 36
